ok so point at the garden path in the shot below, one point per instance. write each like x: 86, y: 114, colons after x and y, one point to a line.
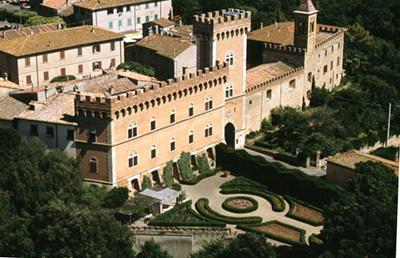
x: 209, y: 188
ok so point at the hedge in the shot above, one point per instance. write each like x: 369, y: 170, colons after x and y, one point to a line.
x: 202, y: 164
x: 291, y: 215
x: 242, y: 182
x: 167, y: 176
x: 204, y: 209
x: 164, y: 219
x: 63, y: 78
x: 276, y: 237
x: 185, y: 167
x: 234, y: 209
x: 176, y: 187
x: 277, y: 177
x: 277, y: 203
x: 195, y: 180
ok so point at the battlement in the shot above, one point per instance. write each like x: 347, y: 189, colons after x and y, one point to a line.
x: 156, y: 94
x: 337, y: 32
x: 279, y: 78
x: 283, y: 48
x: 223, y: 16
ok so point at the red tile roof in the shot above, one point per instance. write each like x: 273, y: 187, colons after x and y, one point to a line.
x: 306, y: 6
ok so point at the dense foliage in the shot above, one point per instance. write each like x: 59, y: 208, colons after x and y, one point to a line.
x: 44, y: 210
x: 63, y: 78
x: 202, y: 164
x: 146, y: 182
x: 168, y: 174
x: 137, y: 67
x: 151, y: 249
x: 185, y: 167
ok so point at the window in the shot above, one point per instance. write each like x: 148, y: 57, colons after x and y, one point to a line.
x: 50, y: 131
x: 228, y: 91
x: 128, y: 8
x: 120, y: 23
x: 28, y: 79
x: 147, y: 6
x: 129, y: 22
x: 325, y: 69
x: 147, y: 18
x: 208, y: 131
x: 120, y: 9
x: 309, y: 77
x: 27, y: 61
x: 96, y: 66
x: 332, y: 48
x: 96, y: 48
x: 229, y: 59
x: 153, y: 152
x: 63, y: 72
x: 338, y: 61
x: 155, y: 16
x: 138, y: 20
x: 191, y: 137
x: 326, y: 52
x: 133, y: 160
x: 79, y: 51
x: 34, y: 130
x: 46, y: 76
x: 208, y: 104
x: 191, y: 110
x: 110, y: 25
x: 172, y: 144
x: 112, y: 63
x: 155, y: 4
x: 44, y: 58
x: 331, y: 65
x: 92, y: 136
x: 132, y: 131
x: 269, y: 94
x: 70, y: 135
x: 80, y: 69
x: 93, y: 165
x: 292, y: 84
x: 172, y: 117
x: 312, y: 25
x: 62, y: 54
x: 153, y: 124
x: 110, y: 11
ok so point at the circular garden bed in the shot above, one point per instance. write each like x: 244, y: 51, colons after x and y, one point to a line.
x: 240, y: 204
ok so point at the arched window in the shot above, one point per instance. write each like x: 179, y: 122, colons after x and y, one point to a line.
x: 191, y: 110
x: 229, y: 58
x: 132, y: 131
x: 172, y: 116
x: 229, y: 91
x: 172, y: 144
x: 133, y: 160
x: 153, y: 152
x: 153, y: 124
x: 93, y: 165
x: 191, y: 137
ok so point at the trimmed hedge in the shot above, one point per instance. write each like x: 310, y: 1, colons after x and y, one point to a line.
x: 204, y: 209
x: 277, y: 177
x: 176, y: 187
x: 241, y: 181
x: 185, y: 167
x: 195, y: 180
x: 63, y: 78
x: 291, y: 215
x: 234, y: 209
x: 277, y: 203
x: 276, y: 237
x: 197, y: 220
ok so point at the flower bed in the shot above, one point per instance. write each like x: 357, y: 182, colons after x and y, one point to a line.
x: 183, y: 215
x: 304, y: 212
x: 240, y: 204
x: 204, y: 209
x: 278, y: 231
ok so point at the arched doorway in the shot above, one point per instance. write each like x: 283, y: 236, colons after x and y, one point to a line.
x: 230, y: 135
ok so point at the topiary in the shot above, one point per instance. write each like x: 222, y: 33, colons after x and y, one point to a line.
x: 184, y: 166
x: 64, y: 78
x: 167, y: 174
x: 146, y: 183
x: 202, y: 164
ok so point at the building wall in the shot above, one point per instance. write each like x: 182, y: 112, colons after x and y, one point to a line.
x: 9, y: 66
x: 338, y: 174
x: 70, y: 63
x: 130, y: 19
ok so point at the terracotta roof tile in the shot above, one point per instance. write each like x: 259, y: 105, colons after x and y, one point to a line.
x: 103, y: 4
x: 102, y: 86
x: 56, y: 39
x: 163, y: 22
x: 10, y: 107
x: 26, y: 31
x: 264, y: 72
x: 167, y: 46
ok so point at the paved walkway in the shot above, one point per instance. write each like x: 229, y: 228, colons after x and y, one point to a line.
x: 308, y: 171
x: 209, y: 188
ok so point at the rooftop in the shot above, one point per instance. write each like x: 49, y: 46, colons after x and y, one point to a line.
x: 57, y: 109
x: 10, y: 107
x: 56, y: 39
x: 136, y: 76
x: 167, y: 46
x: 306, y: 6
x: 349, y: 159
x: 264, y: 72
x: 163, y: 22
x: 282, y: 33
x: 183, y: 31
x: 103, y: 4
x: 106, y: 86
x: 26, y: 31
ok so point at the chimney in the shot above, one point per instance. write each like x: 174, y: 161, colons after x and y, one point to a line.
x: 156, y: 29
x: 6, y: 76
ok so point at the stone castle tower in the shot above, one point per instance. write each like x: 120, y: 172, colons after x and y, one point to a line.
x: 305, y: 18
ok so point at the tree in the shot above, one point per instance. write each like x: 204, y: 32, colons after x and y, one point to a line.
x: 139, y: 68
x: 39, y: 20
x: 146, y: 182
x: 319, y: 97
x: 202, y: 164
x: 244, y: 246
x: 168, y: 174
x: 116, y: 197
x: 186, y: 8
x: 151, y: 249
x: 363, y: 223
x: 185, y: 167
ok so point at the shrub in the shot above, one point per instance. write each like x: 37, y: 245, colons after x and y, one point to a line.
x: 116, y: 197
x: 63, y: 78
x: 184, y: 166
x: 277, y: 177
x: 389, y: 153
x: 139, y: 68
x: 176, y: 187
x: 228, y: 207
x: 195, y: 180
x: 204, y: 209
x: 146, y: 183
x: 266, y: 125
x: 167, y: 174
x: 202, y: 164
x: 38, y: 20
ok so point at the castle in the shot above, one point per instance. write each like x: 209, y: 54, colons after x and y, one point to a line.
x: 122, y: 137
